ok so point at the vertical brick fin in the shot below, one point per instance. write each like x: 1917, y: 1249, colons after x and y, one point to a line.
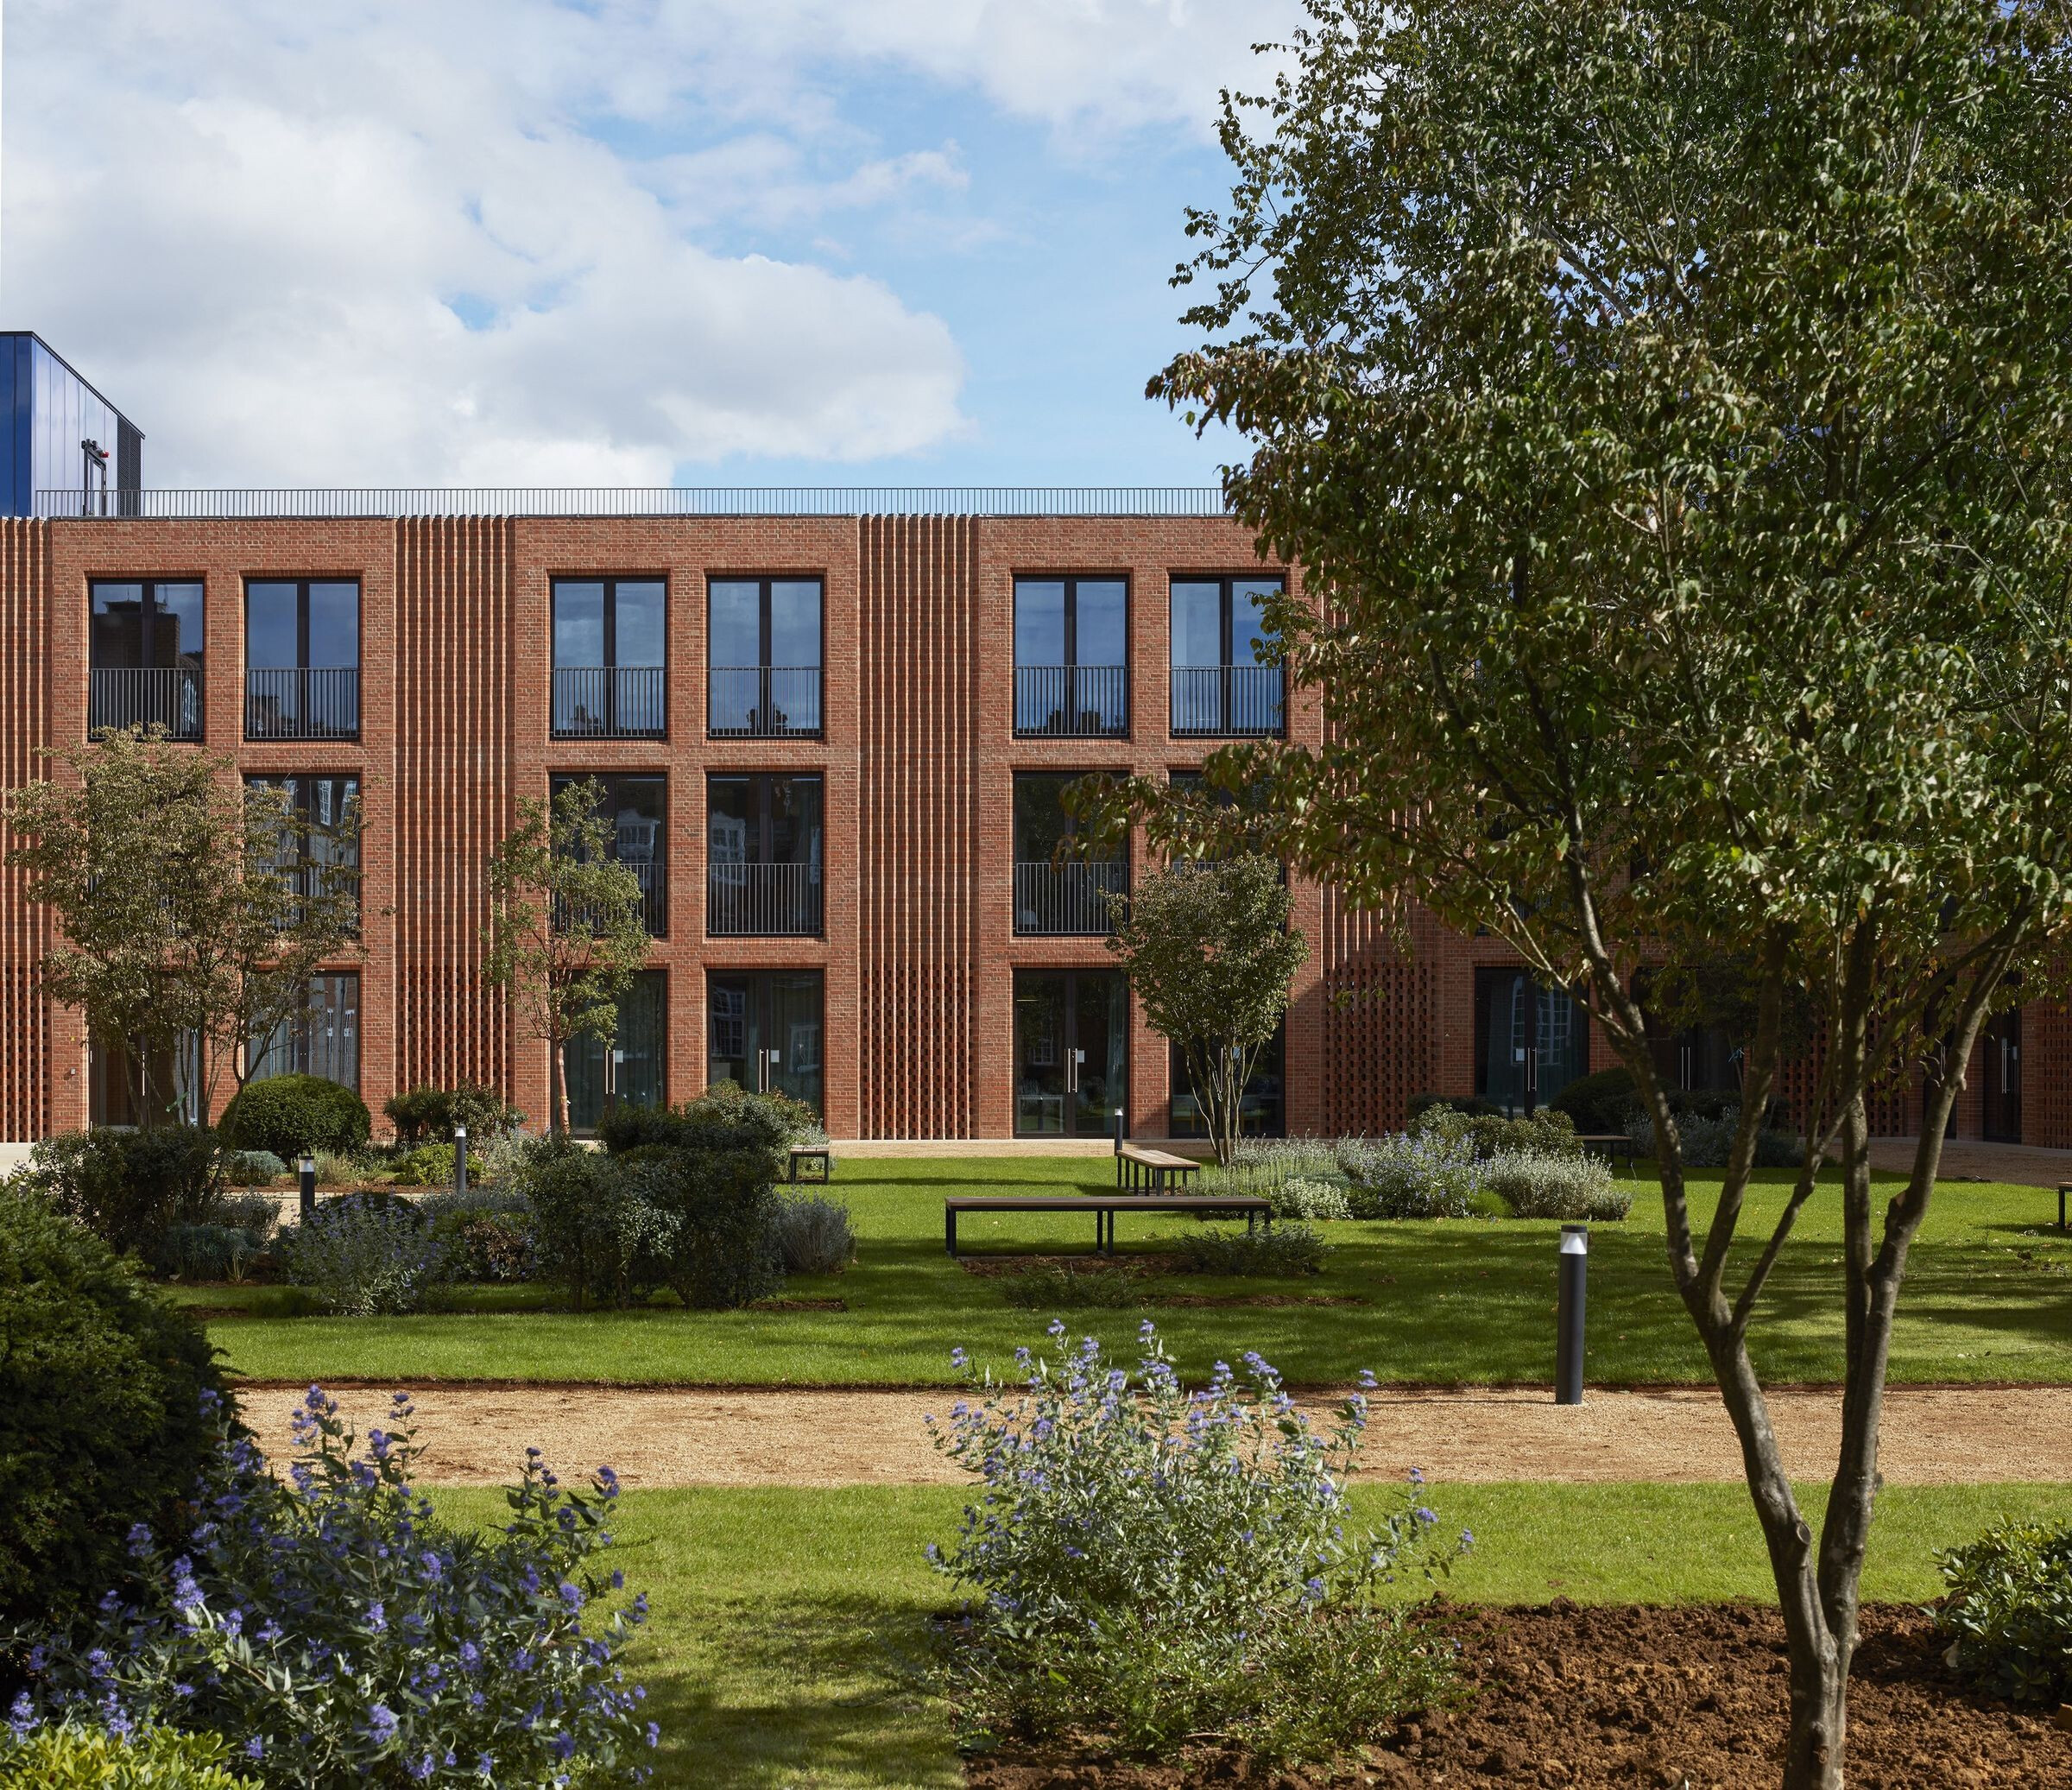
x: 917, y: 855
x: 27, y: 1047
x: 1381, y: 1018
x: 452, y: 800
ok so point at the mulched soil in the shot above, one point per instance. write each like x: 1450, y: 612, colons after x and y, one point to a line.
x: 1680, y: 1698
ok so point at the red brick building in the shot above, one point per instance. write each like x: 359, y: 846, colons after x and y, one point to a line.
x: 827, y: 735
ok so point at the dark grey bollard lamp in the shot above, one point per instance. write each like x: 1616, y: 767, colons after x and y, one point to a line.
x: 460, y: 1160
x: 1569, y: 1315
x: 307, y: 1173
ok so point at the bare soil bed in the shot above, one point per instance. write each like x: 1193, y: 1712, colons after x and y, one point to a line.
x: 1688, y: 1699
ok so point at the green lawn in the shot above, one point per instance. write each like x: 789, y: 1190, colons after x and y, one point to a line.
x: 787, y: 1624
x: 1989, y: 1298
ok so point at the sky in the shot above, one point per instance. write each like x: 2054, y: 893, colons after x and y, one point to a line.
x: 621, y: 243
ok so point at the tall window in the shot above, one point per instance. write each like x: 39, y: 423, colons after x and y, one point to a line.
x: 1261, y: 1112
x: 302, y: 659
x: 763, y: 848
x: 610, y: 637
x: 638, y: 811
x: 322, y: 1039
x: 631, y: 1068
x: 135, y: 1088
x: 144, y: 651
x: 765, y: 1030
x: 765, y: 663
x: 1219, y: 633
x: 1530, y: 1042
x: 1055, y: 891
x: 1072, y: 655
x: 322, y: 840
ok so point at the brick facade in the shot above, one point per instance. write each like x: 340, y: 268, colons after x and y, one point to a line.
x: 918, y: 755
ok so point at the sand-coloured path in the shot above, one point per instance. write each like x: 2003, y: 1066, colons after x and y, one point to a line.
x: 477, y: 1436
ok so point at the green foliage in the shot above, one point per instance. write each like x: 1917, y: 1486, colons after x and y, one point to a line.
x: 724, y: 1106
x: 71, y: 1757
x: 714, y: 1235
x: 254, y: 1168
x: 128, y: 1186
x: 1473, y: 1105
x: 286, y: 1115
x: 1311, y: 1199
x: 1279, y: 1249
x: 426, y: 1113
x: 1431, y: 1174
x: 369, y: 1255
x: 1703, y: 1140
x: 431, y: 1164
x: 208, y: 1252
x: 1602, y: 1103
x: 487, y: 1232
x: 101, y: 1386
x: 1536, y: 1186
x: 1061, y: 1287
x: 1547, y: 1132
x: 813, y: 1234
x: 2008, y: 1612
x: 593, y: 1235
x: 1209, y: 954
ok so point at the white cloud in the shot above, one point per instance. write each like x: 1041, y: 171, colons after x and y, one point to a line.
x: 370, y: 241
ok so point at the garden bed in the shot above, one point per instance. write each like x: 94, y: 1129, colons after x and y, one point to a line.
x: 1588, y: 1698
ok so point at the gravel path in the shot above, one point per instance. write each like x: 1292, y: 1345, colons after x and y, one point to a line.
x: 476, y: 1436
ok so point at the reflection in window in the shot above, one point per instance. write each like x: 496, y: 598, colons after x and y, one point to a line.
x: 1226, y: 676
x: 322, y: 1039
x: 1530, y: 1042
x: 609, y: 640
x: 1072, y: 656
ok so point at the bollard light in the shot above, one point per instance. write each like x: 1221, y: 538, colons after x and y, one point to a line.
x: 1568, y: 1346
x: 306, y: 1169
x: 460, y: 1159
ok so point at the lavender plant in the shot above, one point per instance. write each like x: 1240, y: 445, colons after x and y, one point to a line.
x: 1158, y: 1565
x: 364, y: 1256
x: 1431, y: 1174
x: 345, y: 1637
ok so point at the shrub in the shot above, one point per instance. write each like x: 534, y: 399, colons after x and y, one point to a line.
x: 1706, y: 1141
x: 488, y: 1234
x: 206, y: 1252
x: 1062, y: 1288
x: 1310, y: 1200
x: 715, y: 1218
x: 593, y: 1235
x: 1155, y: 1565
x: 725, y: 1107
x: 427, y: 1115
x: 336, y: 1169
x: 1271, y: 1250
x: 2008, y: 1612
x: 75, y: 1758
x: 1426, y: 1176
x: 813, y: 1233
x: 1545, y: 1132
x: 254, y: 1168
x: 1261, y: 1164
x: 101, y: 1390
x: 127, y: 1187
x: 432, y: 1166
x: 1574, y: 1187
x: 348, y: 1639
x: 366, y: 1255
x: 1472, y: 1105
x: 1602, y: 1103
x: 289, y: 1114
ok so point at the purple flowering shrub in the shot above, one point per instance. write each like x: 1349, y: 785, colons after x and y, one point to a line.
x: 1157, y: 1564
x: 342, y: 1635
x: 366, y: 1255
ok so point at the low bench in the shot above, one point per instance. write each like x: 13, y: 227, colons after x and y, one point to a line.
x: 1612, y: 1143
x: 1135, y: 1167
x: 1104, y: 1206
x: 813, y: 1153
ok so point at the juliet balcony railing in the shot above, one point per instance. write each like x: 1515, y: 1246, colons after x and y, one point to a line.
x: 1079, y: 701
x: 763, y: 702
x: 653, y: 879
x: 1228, y: 700
x: 1067, y: 901
x: 763, y: 901
x: 311, y: 703
x: 167, y: 696
x: 609, y: 702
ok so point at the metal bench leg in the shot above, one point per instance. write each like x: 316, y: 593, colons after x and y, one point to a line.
x: 2061, y: 1208
x: 949, y: 1230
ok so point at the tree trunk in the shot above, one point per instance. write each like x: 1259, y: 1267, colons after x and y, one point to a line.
x: 560, y: 1057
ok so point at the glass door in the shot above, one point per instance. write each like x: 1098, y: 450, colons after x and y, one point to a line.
x: 626, y: 1071
x: 2001, y: 1118
x: 1072, y: 1035
x: 1531, y: 1042
x: 766, y: 1031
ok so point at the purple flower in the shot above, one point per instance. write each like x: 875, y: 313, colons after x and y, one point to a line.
x: 381, y: 1723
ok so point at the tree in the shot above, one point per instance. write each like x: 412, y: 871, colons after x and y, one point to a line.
x: 566, y: 936
x: 1208, y: 949
x: 1669, y: 405
x: 184, y: 906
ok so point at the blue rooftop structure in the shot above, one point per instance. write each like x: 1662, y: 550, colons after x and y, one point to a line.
x: 60, y: 435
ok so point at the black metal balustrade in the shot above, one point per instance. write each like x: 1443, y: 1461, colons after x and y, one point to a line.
x: 1228, y: 698
x: 655, y: 900
x: 763, y: 901
x: 311, y: 703
x: 1080, y: 700
x: 609, y: 702
x: 764, y: 701
x: 146, y: 696
x: 1063, y: 900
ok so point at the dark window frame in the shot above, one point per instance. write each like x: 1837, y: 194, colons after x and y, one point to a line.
x: 760, y: 783
x: 1071, y: 665
x: 608, y: 654
x: 655, y: 906
x: 655, y: 976
x: 306, y: 729
x: 765, y: 583
x: 307, y: 866
x: 149, y: 616
x: 1227, y: 662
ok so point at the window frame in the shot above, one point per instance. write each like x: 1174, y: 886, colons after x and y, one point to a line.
x: 1070, y: 664
x: 654, y: 909
x: 1226, y: 584
x: 301, y: 586
x: 304, y: 864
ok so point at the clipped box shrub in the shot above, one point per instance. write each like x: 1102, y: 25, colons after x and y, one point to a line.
x: 715, y: 1230
x: 1540, y: 1187
x: 286, y: 1115
x: 103, y: 1385
x: 75, y: 1757
x: 127, y: 1187
x: 1547, y: 1132
x: 2008, y: 1610
x: 368, y: 1254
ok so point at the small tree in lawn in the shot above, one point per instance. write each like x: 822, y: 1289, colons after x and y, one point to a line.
x: 1207, y: 949
x: 1672, y: 405
x: 183, y: 907
x: 565, y: 935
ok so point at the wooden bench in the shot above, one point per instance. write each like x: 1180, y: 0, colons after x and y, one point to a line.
x: 1612, y: 1144
x: 1136, y: 1166
x: 1104, y: 1206
x: 813, y: 1153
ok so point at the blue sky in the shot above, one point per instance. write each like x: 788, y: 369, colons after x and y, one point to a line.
x: 726, y: 242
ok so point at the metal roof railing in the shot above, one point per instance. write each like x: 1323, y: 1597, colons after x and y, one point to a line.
x: 382, y: 503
